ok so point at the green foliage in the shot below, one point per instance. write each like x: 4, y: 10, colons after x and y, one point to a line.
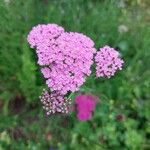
x: 4, y: 140
x: 133, y: 139
x: 24, y: 125
x: 27, y: 76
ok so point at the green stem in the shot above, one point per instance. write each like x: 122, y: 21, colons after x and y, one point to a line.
x: 5, y: 108
x: 70, y: 95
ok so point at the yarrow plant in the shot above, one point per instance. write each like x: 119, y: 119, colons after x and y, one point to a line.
x: 65, y: 59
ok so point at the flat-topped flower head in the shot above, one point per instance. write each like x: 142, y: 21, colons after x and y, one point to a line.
x: 108, y: 61
x: 71, y: 64
x: 65, y: 57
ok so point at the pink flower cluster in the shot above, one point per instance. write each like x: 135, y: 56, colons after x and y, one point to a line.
x: 107, y: 62
x: 55, y: 102
x: 85, y: 106
x: 65, y: 57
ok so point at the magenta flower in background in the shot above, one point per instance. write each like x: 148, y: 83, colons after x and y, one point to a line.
x: 84, y: 115
x: 108, y: 62
x: 85, y: 106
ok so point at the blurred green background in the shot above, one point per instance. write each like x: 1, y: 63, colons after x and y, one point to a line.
x: 121, y: 120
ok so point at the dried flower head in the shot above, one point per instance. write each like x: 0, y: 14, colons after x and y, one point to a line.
x: 54, y: 102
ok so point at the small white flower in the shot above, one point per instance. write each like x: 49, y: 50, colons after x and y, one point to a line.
x: 122, y: 28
